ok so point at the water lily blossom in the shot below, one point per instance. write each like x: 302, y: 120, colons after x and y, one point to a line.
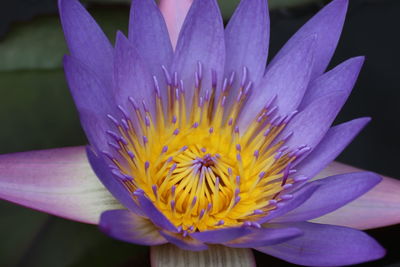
x: 202, y: 143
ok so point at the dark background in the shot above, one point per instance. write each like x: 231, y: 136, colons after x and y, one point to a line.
x: 36, y: 112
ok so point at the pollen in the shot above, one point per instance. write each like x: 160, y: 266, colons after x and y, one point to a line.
x: 193, y: 162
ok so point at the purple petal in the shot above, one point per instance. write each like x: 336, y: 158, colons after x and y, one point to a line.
x: 265, y: 237
x: 154, y: 214
x: 149, y: 35
x: 221, y: 235
x: 299, y: 197
x: 132, y: 76
x: 336, y: 139
x: 92, y: 100
x: 287, y: 79
x: 57, y: 181
x: 327, y: 25
x: 187, y: 243
x: 129, y: 227
x: 378, y: 207
x: 333, y: 192
x: 116, y: 187
x: 85, y: 40
x: 200, y: 40
x: 310, y: 125
x: 326, y: 245
x: 342, y: 77
x: 247, y: 40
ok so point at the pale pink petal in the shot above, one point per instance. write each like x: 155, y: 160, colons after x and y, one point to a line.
x: 378, y: 207
x: 57, y: 181
x: 174, y: 12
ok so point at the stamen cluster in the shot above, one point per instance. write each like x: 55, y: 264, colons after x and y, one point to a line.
x: 192, y: 161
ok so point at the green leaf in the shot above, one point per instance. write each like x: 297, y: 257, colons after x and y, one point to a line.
x: 34, y: 239
x: 40, y: 43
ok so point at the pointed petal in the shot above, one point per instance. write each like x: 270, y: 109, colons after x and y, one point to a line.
x: 100, y: 167
x: 221, y: 235
x: 287, y: 79
x: 91, y: 98
x: 170, y: 255
x: 149, y: 35
x: 326, y: 245
x: 174, y: 12
x: 187, y: 243
x: 132, y: 76
x: 333, y: 192
x: 200, y: 40
x: 129, y: 227
x: 333, y: 143
x: 327, y: 25
x: 342, y: 77
x: 265, y: 237
x: 310, y: 125
x: 57, y: 181
x: 85, y: 40
x: 247, y: 41
x: 377, y: 208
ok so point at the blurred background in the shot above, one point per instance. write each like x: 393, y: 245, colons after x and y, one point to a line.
x: 36, y: 112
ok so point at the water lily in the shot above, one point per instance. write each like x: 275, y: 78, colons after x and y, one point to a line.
x: 202, y: 144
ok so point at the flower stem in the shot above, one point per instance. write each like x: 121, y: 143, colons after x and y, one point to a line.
x: 170, y: 255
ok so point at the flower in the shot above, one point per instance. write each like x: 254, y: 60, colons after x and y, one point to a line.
x: 203, y: 145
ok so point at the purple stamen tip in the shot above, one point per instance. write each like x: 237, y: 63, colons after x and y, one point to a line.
x: 138, y: 192
x: 214, y: 78
x: 203, y: 149
x: 238, y: 147
x: 175, y: 79
x: 176, y: 131
x: 131, y: 155
x: 145, y: 106
x: 247, y: 224
x: 287, y: 186
x: 174, y: 119
x: 146, y: 165
x: 238, y: 180
x: 195, y: 125
x: 262, y: 174
x: 145, y: 140
x: 230, y: 122
x: 256, y: 153
x: 184, y: 148
x: 164, y: 149
x: 230, y: 171
x: 154, y: 188
x: 211, y: 130
x: 133, y: 103
x: 173, y: 167
x: 200, y: 69
x: 258, y: 212
x: 286, y: 197
x: 238, y: 157
x: 156, y: 86
x: 272, y: 202
x: 220, y: 222
x: 236, y: 129
x: 166, y: 74
x: 114, y: 120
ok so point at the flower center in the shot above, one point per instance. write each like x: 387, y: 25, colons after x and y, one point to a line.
x: 195, y: 165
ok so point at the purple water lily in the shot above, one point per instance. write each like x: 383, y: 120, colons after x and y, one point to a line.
x: 203, y: 143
